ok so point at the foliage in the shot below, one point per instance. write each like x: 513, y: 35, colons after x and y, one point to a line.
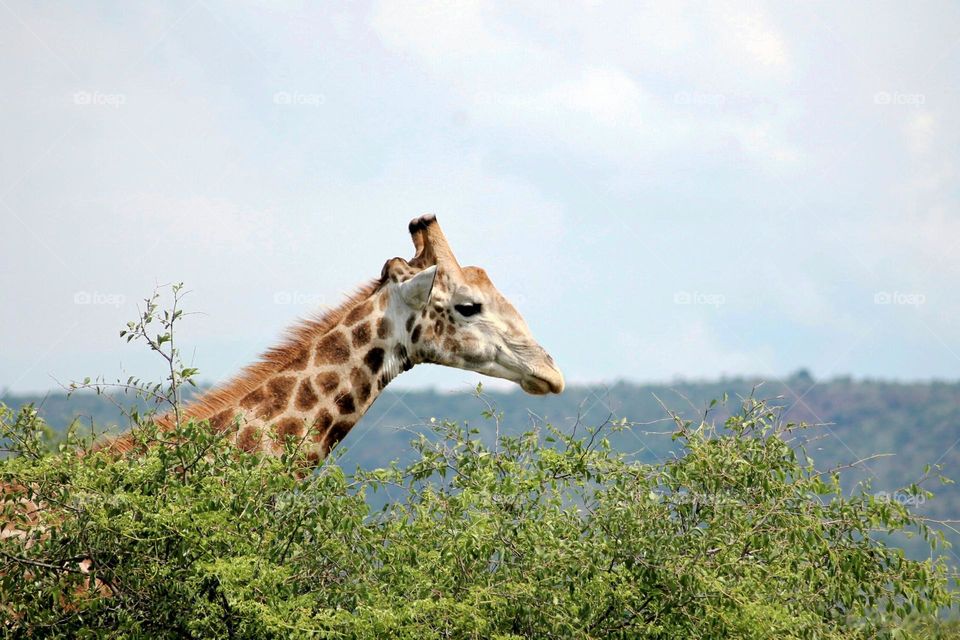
x: 544, y: 534
x: 917, y: 422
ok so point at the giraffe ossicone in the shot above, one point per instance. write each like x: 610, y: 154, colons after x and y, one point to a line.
x: 318, y: 384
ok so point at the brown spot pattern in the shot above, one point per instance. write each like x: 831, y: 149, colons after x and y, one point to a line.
x: 249, y: 439
x: 361, y: 334
x: 374, y: 359
x: 328, y: 382
x: 383, y: 327
x: 415, y: 337
x: 278, y: 395
x: 338, y: 432
x: 221, y: 421
x: 361, y: 384
x: 253, y: 398
x: 289, y: 428
x: 306, y: 396
x: 299, y: 361
x: 358, y: 312
x: 345, y: 404
x: 333, y: 349
x: 321, y: 425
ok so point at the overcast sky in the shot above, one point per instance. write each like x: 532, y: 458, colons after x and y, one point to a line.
x: 664, y: 190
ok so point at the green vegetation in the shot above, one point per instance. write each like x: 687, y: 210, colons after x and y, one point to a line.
x: 910, y: 425
x: 726, y: 528
x: 543, y: 534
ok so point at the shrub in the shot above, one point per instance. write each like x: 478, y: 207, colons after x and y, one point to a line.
x: 547, y: 534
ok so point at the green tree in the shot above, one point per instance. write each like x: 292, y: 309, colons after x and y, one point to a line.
x: 544, y: 534
x: 549, y: 533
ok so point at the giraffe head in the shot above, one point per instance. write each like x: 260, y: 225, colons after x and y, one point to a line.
x: 454, y: 316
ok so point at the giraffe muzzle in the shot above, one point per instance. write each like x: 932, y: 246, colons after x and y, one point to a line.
x: 530, y: 366
x: 541, y: 386
x: 544, y: 380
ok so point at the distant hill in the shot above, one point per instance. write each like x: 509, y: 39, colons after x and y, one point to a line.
x: 918, y: 423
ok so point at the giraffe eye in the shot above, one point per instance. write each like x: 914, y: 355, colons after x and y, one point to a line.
x: 469, y: 309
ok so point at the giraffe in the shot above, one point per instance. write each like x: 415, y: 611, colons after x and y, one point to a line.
x: 318, y: 384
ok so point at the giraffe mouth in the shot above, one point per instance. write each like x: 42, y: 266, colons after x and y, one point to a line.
x: 539, y: 386
x: 533, y: 369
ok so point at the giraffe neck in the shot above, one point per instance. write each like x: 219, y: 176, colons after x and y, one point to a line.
x: 326, y: 386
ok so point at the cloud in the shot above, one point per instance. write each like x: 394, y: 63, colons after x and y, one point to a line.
x: 749, y: 31
x: 439, y: 32
x: 930, y: 238
x: 584, y: 155
x: 920, y: 227
x: 920, y: 131
x: 604, y: 96
x: 586, y: 95
x: 215, y: 226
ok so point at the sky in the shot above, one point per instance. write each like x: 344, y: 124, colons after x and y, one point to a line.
x: 665, y: 190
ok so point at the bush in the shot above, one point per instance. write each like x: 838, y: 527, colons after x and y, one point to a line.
x: 547, y: 534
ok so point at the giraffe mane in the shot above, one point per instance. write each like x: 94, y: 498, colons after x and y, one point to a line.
x: 276, y: 357
x: 250, y: 377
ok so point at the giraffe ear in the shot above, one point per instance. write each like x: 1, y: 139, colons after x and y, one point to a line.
x: 416, y: 291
